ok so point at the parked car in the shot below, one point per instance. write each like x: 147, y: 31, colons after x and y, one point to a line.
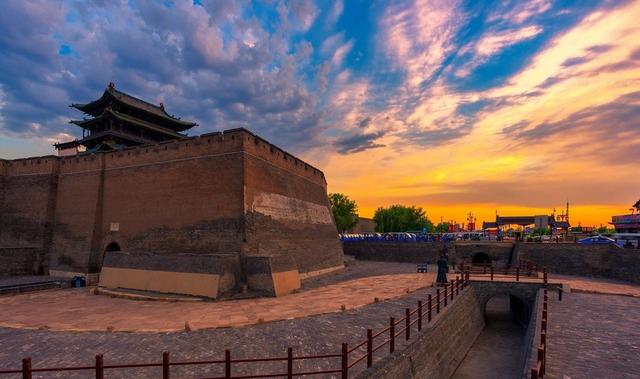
x: 598, y: 240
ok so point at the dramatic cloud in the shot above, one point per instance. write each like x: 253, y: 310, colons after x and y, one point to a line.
x: 359, y: 142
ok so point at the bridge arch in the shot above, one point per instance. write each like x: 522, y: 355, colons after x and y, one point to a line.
x: 480, y: 258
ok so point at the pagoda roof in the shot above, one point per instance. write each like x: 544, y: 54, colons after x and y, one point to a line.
x: 107, y: 113
x: 100, y: 135
x: 96, y: 107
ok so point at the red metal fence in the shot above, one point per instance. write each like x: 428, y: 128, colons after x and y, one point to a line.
x: 523, y: 269
x: 540, y: 369
x: 347, y: 359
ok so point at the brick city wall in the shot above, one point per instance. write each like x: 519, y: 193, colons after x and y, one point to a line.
x: 421, y: 252
x: 409, y: 252
x: 287, y: 209
x: 584, y: 260
x: 498, y: 252
x: 19, y: 261
x: 229, y: 192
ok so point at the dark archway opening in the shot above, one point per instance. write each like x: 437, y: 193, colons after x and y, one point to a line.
x: 480, y: 259
x: 96, y: 266
x: 112, y: 247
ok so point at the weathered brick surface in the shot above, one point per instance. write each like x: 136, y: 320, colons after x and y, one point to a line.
x: 18, y: 261
x: 228, y: 192
x: 498, y: 252
x: 418, y: 252
x: 584, y: 260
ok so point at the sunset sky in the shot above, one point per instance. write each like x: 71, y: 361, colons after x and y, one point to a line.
x: 455, y: 106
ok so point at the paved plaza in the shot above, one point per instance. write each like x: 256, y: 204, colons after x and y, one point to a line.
x: 68, y: 327
x: 594, y: 336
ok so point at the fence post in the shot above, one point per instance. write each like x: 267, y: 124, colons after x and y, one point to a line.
x: 492, y: 273
x: 446, y: 294
x: 517, y: 274
x: 419, y: 315
x: 99, y: 366
x: 227, y: 364
x: 26, y: 368
x: 369, y: 347
x: 438, y: 301
x: 429, y: 308
x: 166, y: 370
x: 289, y: 363
x: 457, y: 285
x: 392, y: 334
x: 534, y: 373
x: 560, y: 293
x: 407, y: 324
x: 452, y: 285
x: 345, y: 361
x: 541, y: 359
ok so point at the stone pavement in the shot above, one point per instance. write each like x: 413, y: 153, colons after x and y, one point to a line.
x: 79, y: 310
x: 593, y: 336
x: 320, y: 334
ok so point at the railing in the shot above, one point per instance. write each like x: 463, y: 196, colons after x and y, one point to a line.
x: 487, y: 270
x: 540, y: 368
x: 348, y: 357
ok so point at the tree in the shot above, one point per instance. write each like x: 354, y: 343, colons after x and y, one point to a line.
x: 401, y: 218
x: 637, y: 206
x: 345, y: 211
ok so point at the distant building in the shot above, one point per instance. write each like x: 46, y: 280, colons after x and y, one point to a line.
x: 538, y: 221
x: 626, y: 223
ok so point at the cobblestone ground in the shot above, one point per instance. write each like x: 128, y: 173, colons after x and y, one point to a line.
x: 594, y: 336
x: 321, y: 334
x: 362, y: 269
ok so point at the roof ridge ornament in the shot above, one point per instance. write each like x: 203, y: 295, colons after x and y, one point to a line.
x: 111, y: 86
x: 161, y: 105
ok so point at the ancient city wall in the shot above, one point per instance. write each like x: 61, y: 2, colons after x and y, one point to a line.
x: 287, y: 210
x: 585, y: 260
x: 498, y: 252
x: 409, y: 252
x: 27, y: 203
x: 219, y: 193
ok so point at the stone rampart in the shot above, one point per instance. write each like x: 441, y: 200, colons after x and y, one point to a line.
x: 584, y: 260
x: 498, y: 252
x: 18, y: 261
x: 409, y: 252
x: 227, y: 192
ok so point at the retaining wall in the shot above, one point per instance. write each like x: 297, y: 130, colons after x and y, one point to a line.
x: 409, y: 252
x: 584, y: 260
x: 438, y: 350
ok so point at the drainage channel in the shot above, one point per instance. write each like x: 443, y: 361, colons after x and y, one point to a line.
x: 497, y: 351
